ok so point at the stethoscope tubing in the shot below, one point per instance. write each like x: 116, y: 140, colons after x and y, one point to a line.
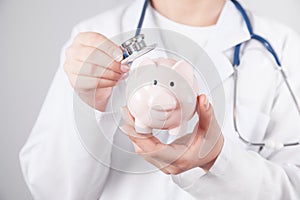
x: 236, y: 64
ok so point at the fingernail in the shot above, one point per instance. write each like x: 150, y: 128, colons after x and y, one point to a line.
x: 124, y: 68
x: 205, y: 102
x: 207, y: 105
x: 118, y: 55
x: 125, y: 117
x: 123, y: 113
x: 124, y: 76
x: 123, y: 129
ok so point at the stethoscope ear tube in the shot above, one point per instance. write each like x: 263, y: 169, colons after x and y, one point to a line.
x: 141, y: 21
x: 136, y: 46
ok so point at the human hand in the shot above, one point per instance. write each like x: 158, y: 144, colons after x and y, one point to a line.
x: 198, y: 149
x: 93, y: 68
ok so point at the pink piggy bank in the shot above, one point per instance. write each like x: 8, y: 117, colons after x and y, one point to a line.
x: 162, y: 94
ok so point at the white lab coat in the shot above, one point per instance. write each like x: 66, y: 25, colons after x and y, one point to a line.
x: 56, y: 166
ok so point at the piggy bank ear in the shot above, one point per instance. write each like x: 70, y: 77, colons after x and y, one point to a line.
x: 168, y: 62
x: 146, y: 61
x: 186, y: 70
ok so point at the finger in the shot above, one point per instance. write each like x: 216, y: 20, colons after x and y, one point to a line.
x: 173, y: 170
x: 157, y: 163
x: 209, y: 127
x: 100, y: 42
x: 151, y: 148
x: 137, y: 149
x: 126, y: 116
x: 186, y: 140
x: 88, y: 83
x: 102, y: 93
x: 164, y: 170
x: 147, y: 142
x: 129, y: 129
x: 204, y: 111
x: 88, y: 69
x: 94, y: 56
x: 160, y: 165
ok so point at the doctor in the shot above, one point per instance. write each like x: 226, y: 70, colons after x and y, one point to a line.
x: 56, y: 166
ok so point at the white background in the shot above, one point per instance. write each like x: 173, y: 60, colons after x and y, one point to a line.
x: 31, y: 35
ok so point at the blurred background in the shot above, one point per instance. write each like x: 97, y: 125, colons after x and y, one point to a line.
x: 31, y: 35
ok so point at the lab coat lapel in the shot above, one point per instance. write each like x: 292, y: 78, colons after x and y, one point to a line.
x: 231, y: 30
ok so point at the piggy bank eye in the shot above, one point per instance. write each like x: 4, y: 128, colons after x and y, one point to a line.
x: 172, y: 84
x: 155, y: 82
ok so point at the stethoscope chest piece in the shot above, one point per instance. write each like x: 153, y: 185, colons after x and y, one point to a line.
x: 134, y: 48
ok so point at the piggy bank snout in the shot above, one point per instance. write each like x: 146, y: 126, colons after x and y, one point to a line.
x: 162, y: 100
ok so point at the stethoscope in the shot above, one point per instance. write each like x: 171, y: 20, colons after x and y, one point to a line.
x: 136, y: 47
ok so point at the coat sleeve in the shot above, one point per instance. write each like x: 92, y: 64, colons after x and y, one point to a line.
x: 54, y: 162
x: 244, y: 174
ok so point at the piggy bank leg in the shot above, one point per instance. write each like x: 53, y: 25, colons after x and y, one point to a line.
x: 141, y: 128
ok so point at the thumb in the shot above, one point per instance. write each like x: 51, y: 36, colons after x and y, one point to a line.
x: 204, y: 111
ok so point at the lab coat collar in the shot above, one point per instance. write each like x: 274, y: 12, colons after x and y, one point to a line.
x: 231, y: 29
